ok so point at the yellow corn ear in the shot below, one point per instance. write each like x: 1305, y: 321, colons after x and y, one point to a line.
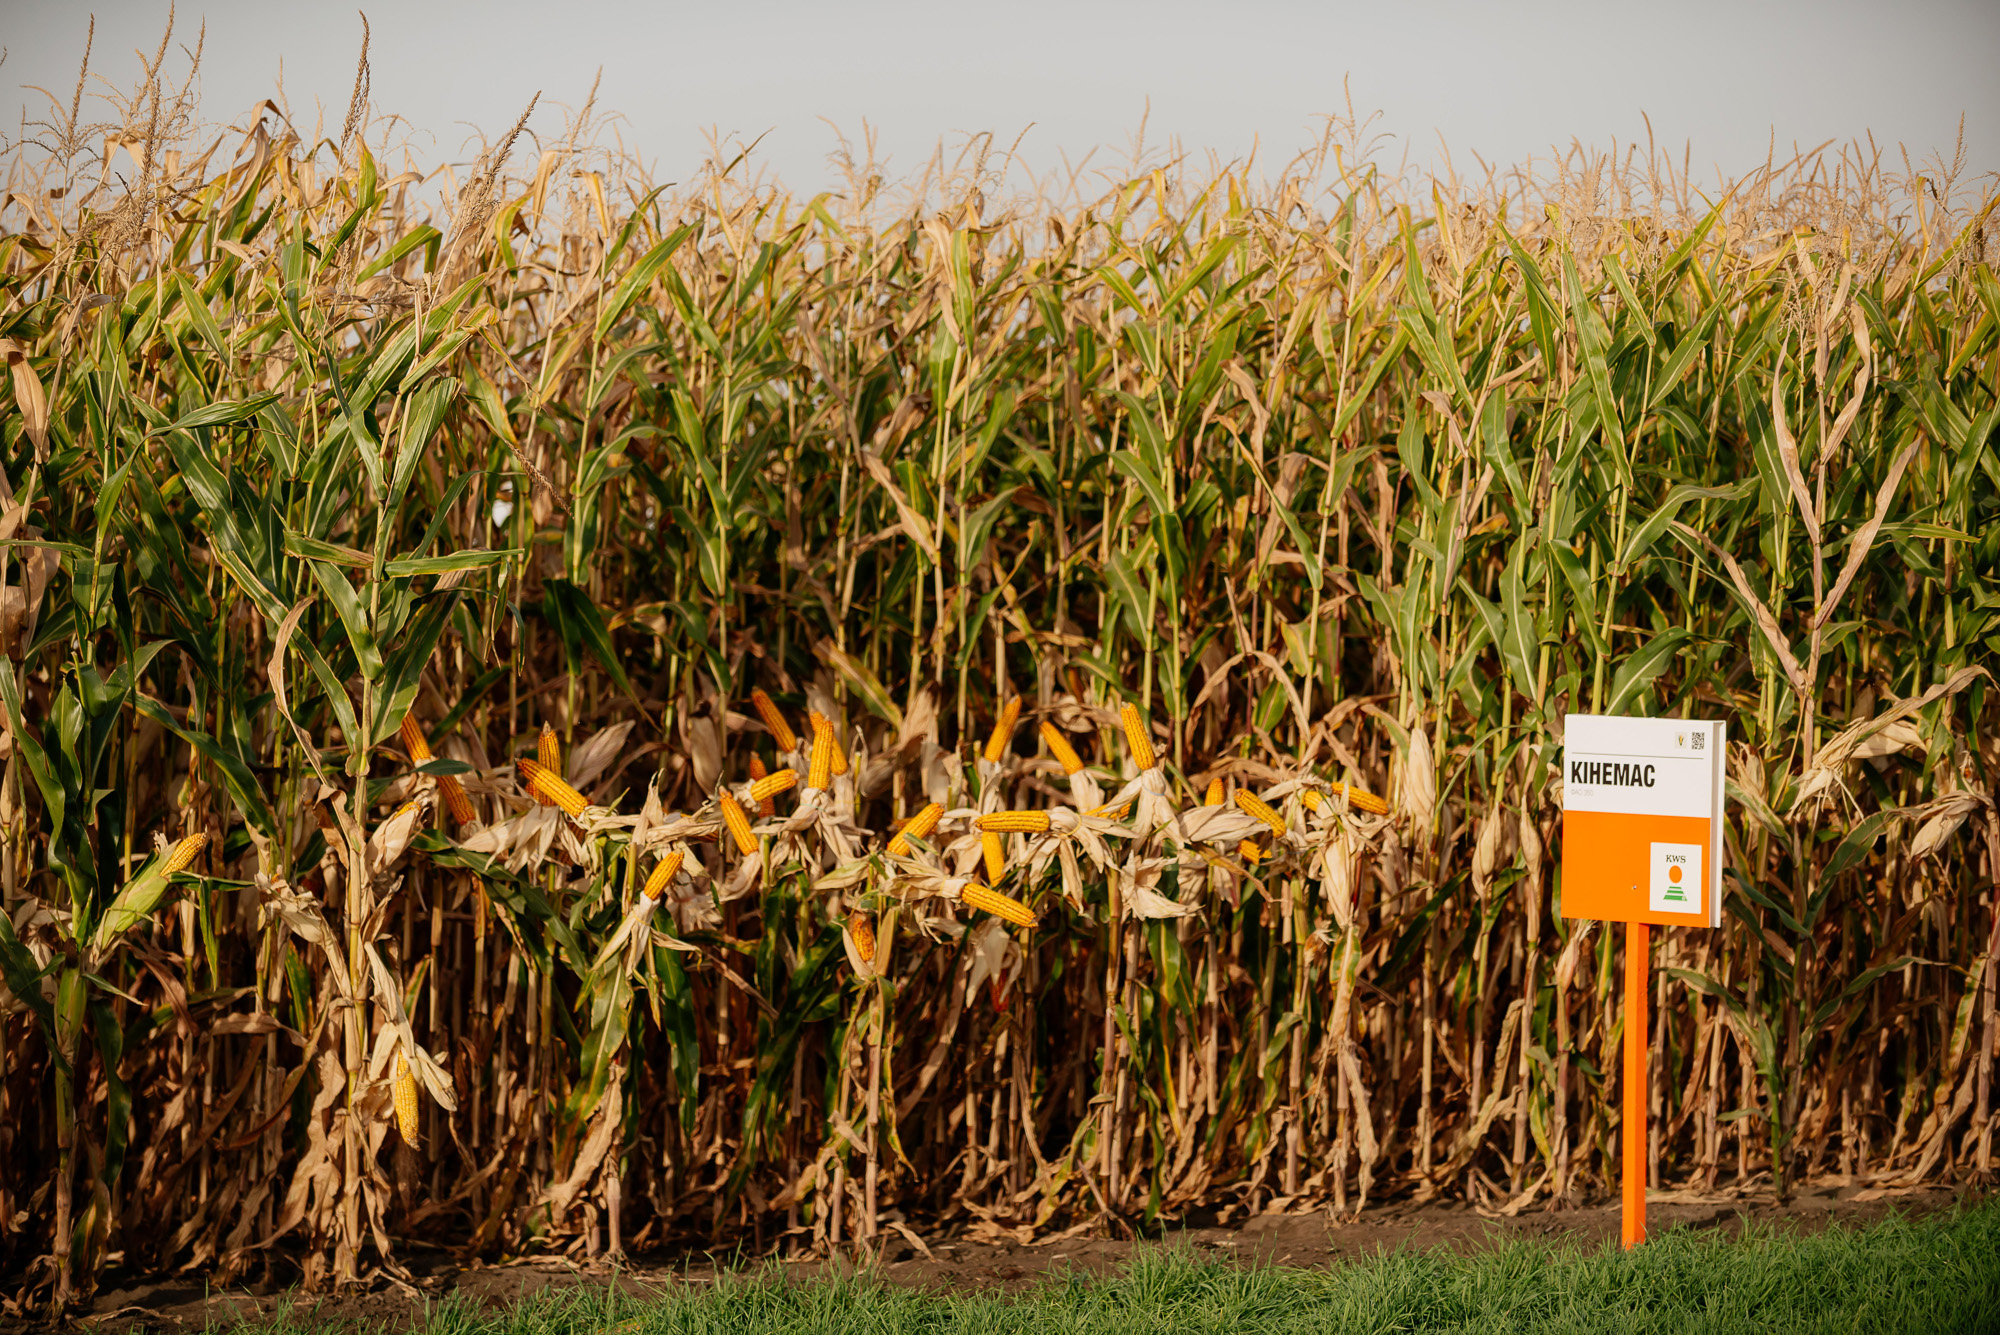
x: 1249, y: 852
x: 1136, y: 737
x: 996, y: 855
x: 1014, y: 822
x: 1311, y: 797
x: 1258, y: 807
x: 1366, y: 801
x: 774, y: 722
x: 1060, y: 748
x: 771, y: 785
x: 404, y: 1087
x: 664, y: 871
x: 819, y: 768
x: 1214, y: 798
x: 1003, y: 730
x: 765, y: 806
x: 548, y: 751
x: 918, y: 826
x: 997, y: 904
x: 184, y: 854
x: 837, y: 758
x: 548, y: 788
x: 455, y: 799
x: 449, y: 787
x: 413, y: 739
x: 862, y: 928
x: 738, y: 822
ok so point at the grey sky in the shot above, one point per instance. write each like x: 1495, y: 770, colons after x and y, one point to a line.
x: 1501, y: 80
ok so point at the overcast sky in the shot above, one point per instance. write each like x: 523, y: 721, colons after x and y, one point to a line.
x: 1501, y: 80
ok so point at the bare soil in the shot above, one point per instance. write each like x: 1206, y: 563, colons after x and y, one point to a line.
x: 987, y: 1257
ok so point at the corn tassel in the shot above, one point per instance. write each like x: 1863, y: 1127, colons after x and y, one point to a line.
x: 1214, y: 798
x: 996, y: 855
x: 1003, y: 730
x: 1262, y: 810
x: 548, y: 788
x: 1060, y: 748
x: 918, y: 826
x: 738, y: 822
x: 992, y: 901
x: 1135, y: 736
x: 1014, y: 822
x: 404, y: 1087
x: 774, y: 722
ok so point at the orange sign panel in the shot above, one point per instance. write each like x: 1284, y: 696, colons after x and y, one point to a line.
x: 1642, y: 820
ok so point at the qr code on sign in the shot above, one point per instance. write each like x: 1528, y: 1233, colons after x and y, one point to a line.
x: 1700, y: 740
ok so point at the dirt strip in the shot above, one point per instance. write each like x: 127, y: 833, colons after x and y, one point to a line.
x: 991, y: 1258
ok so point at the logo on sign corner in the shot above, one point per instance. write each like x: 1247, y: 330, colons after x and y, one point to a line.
x: 1676, y: 878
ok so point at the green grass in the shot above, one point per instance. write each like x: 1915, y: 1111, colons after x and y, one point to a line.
x: 1936, y: 1274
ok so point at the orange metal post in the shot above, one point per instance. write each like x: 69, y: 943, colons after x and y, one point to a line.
x: 1637, y: 969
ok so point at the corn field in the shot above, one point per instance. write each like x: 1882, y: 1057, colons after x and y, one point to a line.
x: 544, y: 711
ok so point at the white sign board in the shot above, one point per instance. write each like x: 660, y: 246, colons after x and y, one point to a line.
x: 1642, y: 820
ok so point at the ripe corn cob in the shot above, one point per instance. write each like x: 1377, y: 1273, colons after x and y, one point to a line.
x: 664, y: 871
x: 1366, y: 801
x: 455, y: 800
x: 1249, y: 852
x: 184, y: 854
x: 1060, y: 748
x: 823, y: 727
x: 548, y: 750
x: 770, y: 785
x: 738, y: 822
x: 862, y: 928
x: 404, y: 1087
x: 765, y: 806
x: 819, y: 767
x: 996, y: 855
x: 1003, y: 730
x: 1135, y: 736
x: 1014, y: 822
x: 1214, y: 798
x: 548, y: 788
x: 453, y: 791
x: 1258, y: 807
x: 997, y: 904
x: 774, y: 721
x: 919, y: 826
x: 413, y: 740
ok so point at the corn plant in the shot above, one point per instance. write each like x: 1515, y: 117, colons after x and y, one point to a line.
x: 712, y: 716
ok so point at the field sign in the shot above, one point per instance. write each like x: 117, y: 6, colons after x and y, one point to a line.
x: 1642, y: 844
x: 1642, y: 820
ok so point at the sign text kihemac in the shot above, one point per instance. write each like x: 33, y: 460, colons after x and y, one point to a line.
x: 1642, y: 820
